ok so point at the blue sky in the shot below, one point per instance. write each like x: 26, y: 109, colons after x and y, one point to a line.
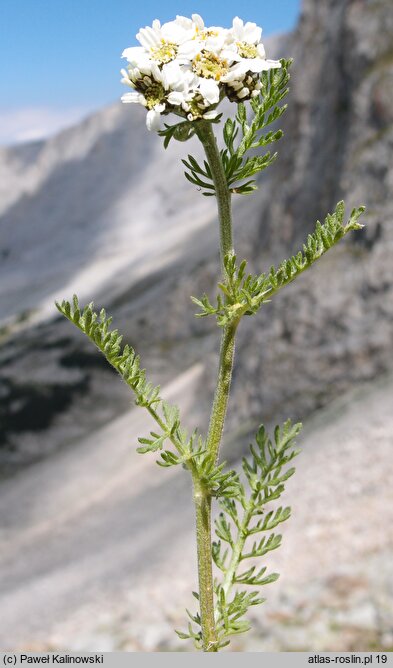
x: 60, y: 59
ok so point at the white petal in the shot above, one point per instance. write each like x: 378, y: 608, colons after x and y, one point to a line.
x: 133, y: 53
x: 134, y: 98
x: 189, y: 49
x: 176, y: 98
x: 236, y: 85
x: 230, y: 53
x: 125, y: 79
x: 148, y: 37
x: 210, y: 90
x: 173, y: 32
x: 199, y: 22
x: 260, y: 65
x: 134, y: 73
x: 153, y: 120
x: 184, y: 22
x: 191, y: 80
x: 237, y: 28
x: 144, y: 67
x: 138, y: 58
x: 216, y: 42
x: 157, y: 74
x: 172, y: 74
x: 254, y: 65
x: 273, y: 64
x: 243, y: 93
x: 209, y: 115
x: 251, y: 33
x: 237, y: 71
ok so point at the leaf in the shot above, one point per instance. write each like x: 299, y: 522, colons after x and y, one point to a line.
x: 180, y: 131
x: 152, y: 444
x: 127, y: 364
x: 246, y: 515
x: 223, y: 529
x: 237, y: 165
x: 182, y: 635
x: 244, y: 294
x: 272, y: 519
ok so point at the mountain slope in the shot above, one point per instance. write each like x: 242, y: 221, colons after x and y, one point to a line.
x: 93, y: 197
x: 98, y: 210
x: 104, y: 560
x: 104, y: 218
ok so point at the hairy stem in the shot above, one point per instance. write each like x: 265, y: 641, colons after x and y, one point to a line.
x: 202, y: 502
x: 220, y: 403
x: 206, y: 135
x: 221, y: 396
x: 227, y: 350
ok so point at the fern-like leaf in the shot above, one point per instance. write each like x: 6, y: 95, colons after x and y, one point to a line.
x: 244, y: 294
x: 239, y: 520
x: 127, y: 363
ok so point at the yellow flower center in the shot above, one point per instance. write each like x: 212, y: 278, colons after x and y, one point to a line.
x: 246, y: 50
x: 204, y: 34
x: 209, y: 66
x: 154, y: 94
x: 196, y: 106
x: 164, y: 53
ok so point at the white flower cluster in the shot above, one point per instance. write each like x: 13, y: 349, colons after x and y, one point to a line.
x: 186, y: 68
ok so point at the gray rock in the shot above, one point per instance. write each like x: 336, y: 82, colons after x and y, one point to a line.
x: 65, y: 227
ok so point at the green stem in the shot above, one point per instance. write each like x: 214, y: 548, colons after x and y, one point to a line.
x: 206, y: 135
x: 202, y: 502
x: 239, y: 545
x: 223, y: 386
x: 227, y: 350
x: 216, y: 425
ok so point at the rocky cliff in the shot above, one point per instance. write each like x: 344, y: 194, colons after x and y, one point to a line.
x: 334, y: 327
x: 90, y: 533
x: 95, y: 210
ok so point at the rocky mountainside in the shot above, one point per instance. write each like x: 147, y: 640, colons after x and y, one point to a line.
x: 334, y: 327
x: 102, y: 210
x: 97, y: 553
x: 97, y: 210
x: 94, y: 211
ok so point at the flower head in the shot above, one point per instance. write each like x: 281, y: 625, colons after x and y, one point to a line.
x: 163, y: 42
x: 246, y: 52
x: 187, y: 68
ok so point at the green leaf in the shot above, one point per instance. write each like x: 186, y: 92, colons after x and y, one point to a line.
x: 152, y: 444
x: 244, y: 294
x: 127, y: 364
x: 180, y: 131
x: 237, y: 166
x: 223, y: 529
x: 182, y: 635
x: 246, y: 515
